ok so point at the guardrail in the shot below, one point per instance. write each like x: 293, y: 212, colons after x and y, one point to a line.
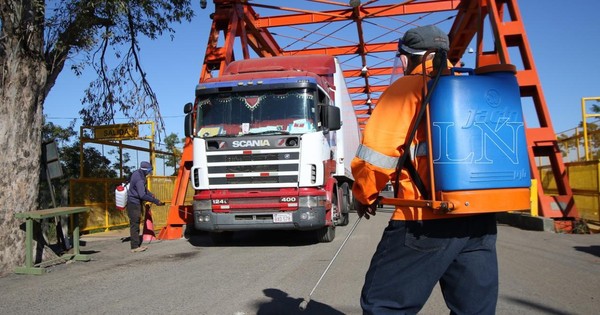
x: 585, y: 183
x: 98, y: 194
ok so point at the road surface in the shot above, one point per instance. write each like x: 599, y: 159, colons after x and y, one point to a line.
x: 271, y: 272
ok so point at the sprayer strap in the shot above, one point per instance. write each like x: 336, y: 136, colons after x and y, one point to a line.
x: 412, y: 171
x: 402, y: 162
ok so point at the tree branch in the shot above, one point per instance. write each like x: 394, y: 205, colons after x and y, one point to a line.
x: 77, y: 34
x: 147, y: 89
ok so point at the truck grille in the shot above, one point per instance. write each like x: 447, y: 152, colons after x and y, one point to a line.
x: 235, y: 167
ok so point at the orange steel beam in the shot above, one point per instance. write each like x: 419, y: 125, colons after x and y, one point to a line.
x: 346, y: 50
x: 466, y: 25
x: 372, y: 72
x: 262, y: 42
x: 331, y: 2
x: 358, y: 16
x: 234, y: 20
x: 361, y: 90
x: 541, y: 142
x: 359, y: 102
x: 180, y: 214
x: 408, y: 7
x: 512, y: 34
x: 237, y: 20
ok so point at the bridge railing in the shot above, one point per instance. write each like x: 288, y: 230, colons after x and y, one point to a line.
x: 99, y: 195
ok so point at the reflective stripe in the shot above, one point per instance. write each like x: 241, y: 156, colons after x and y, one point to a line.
x: 373, y: 157
x: 385, y: 161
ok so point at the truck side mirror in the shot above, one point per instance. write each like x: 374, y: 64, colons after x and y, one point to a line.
x: 188, y: 121
x: 332, y: 119
x: 187, y: 108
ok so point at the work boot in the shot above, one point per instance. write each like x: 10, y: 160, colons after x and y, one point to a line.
x: 139, y: 249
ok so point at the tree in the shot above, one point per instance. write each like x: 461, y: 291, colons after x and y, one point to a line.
x: 593, y: 134
x: 172, y: 160
x: 120, y: 163
x: 62, y: 137
x: 36, y: 39
x: 96, y: 164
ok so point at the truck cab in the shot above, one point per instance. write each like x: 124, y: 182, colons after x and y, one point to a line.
x: 270, y: 149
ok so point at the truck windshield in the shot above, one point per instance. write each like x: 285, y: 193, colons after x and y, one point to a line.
x: 265, y: 112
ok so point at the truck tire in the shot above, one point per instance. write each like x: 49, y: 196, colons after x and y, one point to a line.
x: 351, y: 200
x: 345, y: 211
x: 344, y: 219
x: 325, y: 234
x: 220, y: 238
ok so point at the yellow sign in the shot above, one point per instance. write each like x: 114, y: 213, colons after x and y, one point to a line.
x: 122, y: 131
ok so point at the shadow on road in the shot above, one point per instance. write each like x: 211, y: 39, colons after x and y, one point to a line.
x: 282, y: 303
x: 534, y: 305
x: 593, y: 249
x: 256, y: 238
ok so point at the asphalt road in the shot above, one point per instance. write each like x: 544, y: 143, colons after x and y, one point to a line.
x: 271, y: 272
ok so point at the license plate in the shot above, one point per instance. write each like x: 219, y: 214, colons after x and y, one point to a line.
x: 282, y: 217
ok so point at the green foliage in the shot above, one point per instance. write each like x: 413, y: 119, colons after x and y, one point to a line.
x: 107, y: 32
x: 121, y: 162
x: 37, y: 37
x: 61, y: 135
x: 172, y: 160
x: 593, y: 137
x: 95, y: 164
x: 564, y: 145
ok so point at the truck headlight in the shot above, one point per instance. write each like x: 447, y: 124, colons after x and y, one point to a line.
x: 204, y: 204
x: 203, y: 218
x: 311, y: 201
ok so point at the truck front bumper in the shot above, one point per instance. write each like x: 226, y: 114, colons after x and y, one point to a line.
x: 304, y: 218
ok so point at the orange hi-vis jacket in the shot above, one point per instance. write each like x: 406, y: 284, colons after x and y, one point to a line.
x: 383, y: 139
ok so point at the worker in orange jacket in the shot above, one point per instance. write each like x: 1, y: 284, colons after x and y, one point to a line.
x: 419, y: 248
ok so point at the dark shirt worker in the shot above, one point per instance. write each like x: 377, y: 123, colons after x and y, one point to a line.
x: 137, y: 194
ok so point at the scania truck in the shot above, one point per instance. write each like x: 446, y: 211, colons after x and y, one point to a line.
x: 273, y: 139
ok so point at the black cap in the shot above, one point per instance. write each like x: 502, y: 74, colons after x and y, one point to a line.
x: 420, y: 39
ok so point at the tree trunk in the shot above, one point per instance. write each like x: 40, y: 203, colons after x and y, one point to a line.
x: 22, y: 79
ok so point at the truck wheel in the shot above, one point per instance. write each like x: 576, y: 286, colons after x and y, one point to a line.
x: 219, y: 238
x: 325, y: 234
x: 345, y: 219
x: 345, y: 211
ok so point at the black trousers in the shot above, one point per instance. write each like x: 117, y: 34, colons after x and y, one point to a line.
x: 135, y: 213
x: 413, y: 256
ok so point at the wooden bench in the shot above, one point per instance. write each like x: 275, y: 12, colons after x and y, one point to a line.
x: 39, y: 215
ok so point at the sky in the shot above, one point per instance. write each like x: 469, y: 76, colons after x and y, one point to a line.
x: 564, y: 38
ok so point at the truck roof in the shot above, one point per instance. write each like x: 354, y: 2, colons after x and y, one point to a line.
x: 321, y: 67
